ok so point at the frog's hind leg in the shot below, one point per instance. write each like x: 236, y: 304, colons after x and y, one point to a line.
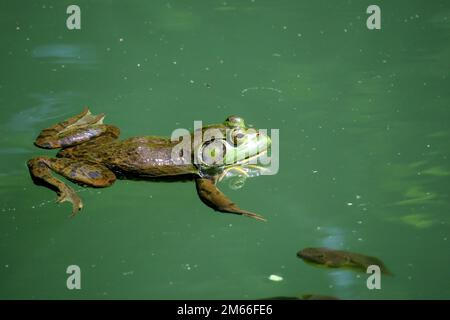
x: 80, y: 172
x: 75, y: 130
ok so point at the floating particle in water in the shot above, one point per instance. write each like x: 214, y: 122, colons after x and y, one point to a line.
x: 349, y: 203
x: 174, y: 62
x: 128, y: 273
x: 191, y: 81
x: 275, y: 278
x: 138, y: 65
x: 187, y: 266
x: 315, y: 171
x: 358, y: 196
x: 120, y: 39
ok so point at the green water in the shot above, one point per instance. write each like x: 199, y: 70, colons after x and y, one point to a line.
x: 364, y: 145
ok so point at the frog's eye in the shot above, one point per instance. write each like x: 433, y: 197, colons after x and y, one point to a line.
x: 237, y: 136
x: 235, y: 121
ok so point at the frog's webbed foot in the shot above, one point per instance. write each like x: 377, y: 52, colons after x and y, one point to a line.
x: 80, y: 172
x: 216, y: 199
x: 75, y: 130
x: 68, y: 194
x: 85, y: 118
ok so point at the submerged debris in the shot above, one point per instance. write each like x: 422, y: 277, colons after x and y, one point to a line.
x: 340, y: 259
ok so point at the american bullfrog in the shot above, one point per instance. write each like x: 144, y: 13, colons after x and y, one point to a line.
x: 340, y: 259
x: 92, y: 155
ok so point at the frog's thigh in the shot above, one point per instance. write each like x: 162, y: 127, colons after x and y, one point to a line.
x: 82, y: 172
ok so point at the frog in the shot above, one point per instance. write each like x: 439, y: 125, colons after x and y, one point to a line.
x: 91, y: 154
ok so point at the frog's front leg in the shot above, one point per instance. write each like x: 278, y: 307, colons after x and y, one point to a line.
x: 80, y: 172
x: 75, y: 130
x: 214, y: 198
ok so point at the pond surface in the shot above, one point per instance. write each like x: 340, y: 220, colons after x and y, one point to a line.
x: 363, y: 117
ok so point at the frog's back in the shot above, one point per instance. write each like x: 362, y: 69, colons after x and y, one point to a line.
x: 138, y: 157
x: 150, y: 157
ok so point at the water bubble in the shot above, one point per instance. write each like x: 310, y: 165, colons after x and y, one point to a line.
x: 236, y: 182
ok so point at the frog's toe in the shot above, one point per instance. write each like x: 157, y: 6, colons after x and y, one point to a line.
x: 253, y: 215
x: 70, y: 195
x: 89, y: 119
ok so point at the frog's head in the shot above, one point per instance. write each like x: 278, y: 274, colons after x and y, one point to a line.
x: 231, y: 144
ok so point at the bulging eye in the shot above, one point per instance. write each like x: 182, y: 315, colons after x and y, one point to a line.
x: 235, y: 121
x: 237, y: 136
